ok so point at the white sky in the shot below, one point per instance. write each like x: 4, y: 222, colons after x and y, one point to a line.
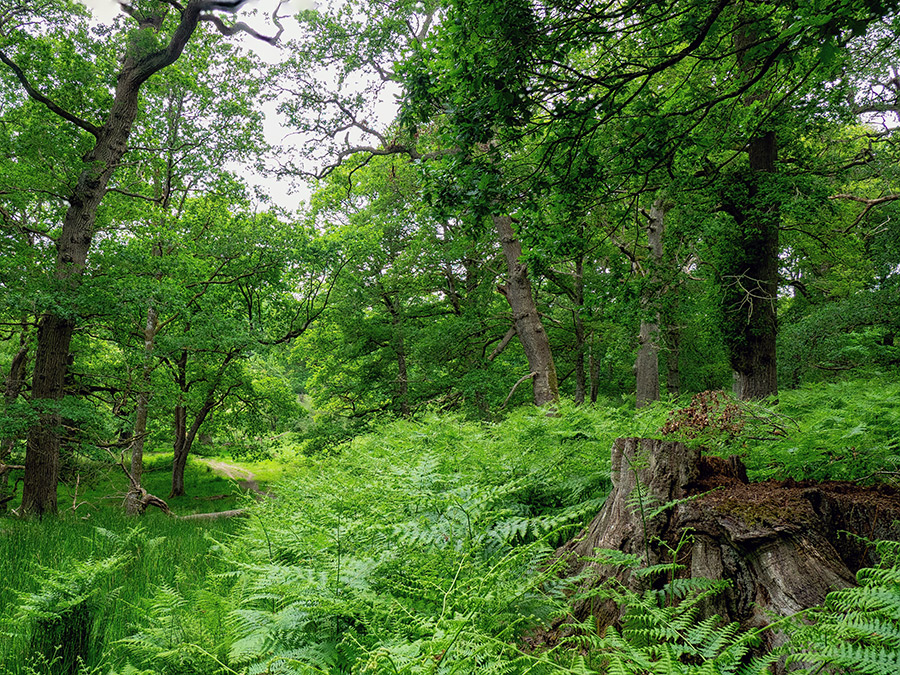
x: 284, y: 193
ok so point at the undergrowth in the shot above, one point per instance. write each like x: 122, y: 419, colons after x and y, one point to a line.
x: 846, y: 430
x: 426, y: 547
x: 72, y: 587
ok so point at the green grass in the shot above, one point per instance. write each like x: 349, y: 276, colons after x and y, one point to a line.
x: 96, y: 571
x: 91, y: 486
x: 161, y: 552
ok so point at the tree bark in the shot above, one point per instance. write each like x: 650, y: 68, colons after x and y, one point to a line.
x: 646, y: 364
x: 525, y: 315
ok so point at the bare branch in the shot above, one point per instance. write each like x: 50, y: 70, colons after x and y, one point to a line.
x: 510, y: 334
x: 516, y: 386
x: 240, y: 26
x: 869, y: 205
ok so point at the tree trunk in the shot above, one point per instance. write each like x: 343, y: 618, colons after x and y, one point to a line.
x: 42, y: 449
x: 750, y: 275
x: 646, y: 364
x: 528, y: 322
x: 15, y: 380
x: 55, y: 330
x: 753, y: 287
x: 184, y: 436
x: 672, y: 343
x: 134, y: 503
x: 180, y: 451
x: 781, y: 544
x: 402, y: 396
x: 594, y: 364
x: 580, y: 379
x: 179, y: 447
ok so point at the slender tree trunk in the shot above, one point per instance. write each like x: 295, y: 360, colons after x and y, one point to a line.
x: 528, y: 322
x: 580, y: 384
x: 133, y: 500
x: 402, y: 396
x: 184, y: 436
x: 594, y: 364
x: 179, y: 447
x: 647, y: 362
x: 15, y: 380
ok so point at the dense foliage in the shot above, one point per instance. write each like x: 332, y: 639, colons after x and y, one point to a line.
x: 578, y: 221
x: 425, y: 546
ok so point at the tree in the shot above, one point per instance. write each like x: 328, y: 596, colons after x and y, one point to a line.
x: 415, y: 318
x: 154, y: 42
x: 674, y: 81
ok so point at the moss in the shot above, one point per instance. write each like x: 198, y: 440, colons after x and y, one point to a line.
x: 765, y: 513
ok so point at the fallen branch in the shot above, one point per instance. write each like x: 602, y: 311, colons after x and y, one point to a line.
x: 215, y: 515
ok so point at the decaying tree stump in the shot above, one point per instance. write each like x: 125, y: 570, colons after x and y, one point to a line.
x: 781, y: 544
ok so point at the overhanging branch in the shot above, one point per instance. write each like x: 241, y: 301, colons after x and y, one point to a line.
x: 51, y: 105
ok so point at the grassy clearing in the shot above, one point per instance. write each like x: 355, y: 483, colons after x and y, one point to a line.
x: 89, y: 487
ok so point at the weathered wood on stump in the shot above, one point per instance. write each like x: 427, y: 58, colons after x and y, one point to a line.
x: 781, y: 544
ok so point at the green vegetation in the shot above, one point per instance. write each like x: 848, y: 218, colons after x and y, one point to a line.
x: 73, y: 588
x: 423, y: 546
x: 581, y: 221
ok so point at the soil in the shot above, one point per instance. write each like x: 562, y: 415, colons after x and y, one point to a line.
x: 245, y: 479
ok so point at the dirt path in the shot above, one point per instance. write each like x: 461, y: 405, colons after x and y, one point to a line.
x: 246, y: 480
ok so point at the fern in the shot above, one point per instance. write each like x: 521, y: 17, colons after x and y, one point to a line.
x: 856, y: 630
x: 62, y: 620
x: 662, y: 632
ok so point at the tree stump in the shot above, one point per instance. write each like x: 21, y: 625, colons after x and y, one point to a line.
x: 781, y: 544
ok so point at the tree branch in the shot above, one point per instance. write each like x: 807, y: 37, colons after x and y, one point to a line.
x: 52, y: 106
x: 869, y: 205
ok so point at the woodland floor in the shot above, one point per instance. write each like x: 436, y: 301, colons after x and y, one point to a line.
x: 246, y: 480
